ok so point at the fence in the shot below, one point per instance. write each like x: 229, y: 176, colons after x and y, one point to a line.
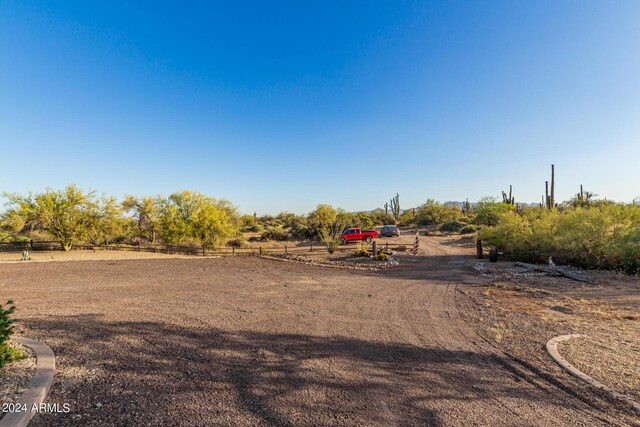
x: 35, y: 245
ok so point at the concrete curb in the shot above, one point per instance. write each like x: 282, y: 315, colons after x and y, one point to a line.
x: 39, y: 386
x: 552, y: 349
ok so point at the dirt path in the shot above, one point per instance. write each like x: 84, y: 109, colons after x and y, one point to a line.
x: 246, y: 341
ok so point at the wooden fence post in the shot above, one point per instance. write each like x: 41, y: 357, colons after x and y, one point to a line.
x: 260, y: 249
x: 375, y: 248
x: 233, y: 250
x: 311, y: 246
x: 479, y: 253
x: 286, y: 251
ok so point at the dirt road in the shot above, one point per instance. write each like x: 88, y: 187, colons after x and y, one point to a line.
x: 247, y: 341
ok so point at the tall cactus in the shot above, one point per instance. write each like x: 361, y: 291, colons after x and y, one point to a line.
x: 547, y: 199
x: 508, y: 199
x: 395, y: 206
x: 550, y: 197
x: 553, y: 186
x: 466, y: 207
x: 386, y: 208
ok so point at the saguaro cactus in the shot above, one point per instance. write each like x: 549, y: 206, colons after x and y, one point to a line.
x: 553, y: 186
x: 466, y: 207
x: 395, y: 206
x: 386, y: 208
x: 550, y: 197
x: 547, y: 200
x: 509, y: 199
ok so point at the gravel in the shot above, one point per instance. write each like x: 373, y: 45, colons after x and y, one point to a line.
x: 15, y: 376
x: 250, y: 341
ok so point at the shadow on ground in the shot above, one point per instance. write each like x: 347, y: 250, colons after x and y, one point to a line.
x: 146, y: 373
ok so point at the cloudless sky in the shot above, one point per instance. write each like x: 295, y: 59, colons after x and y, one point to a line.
x: 284, y: 105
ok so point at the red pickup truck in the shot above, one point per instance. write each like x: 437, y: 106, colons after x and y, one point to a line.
x: 355, y: 234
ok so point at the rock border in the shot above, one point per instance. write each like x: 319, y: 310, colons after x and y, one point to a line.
x: 39, y: 386
x: 552, y: 349
x: 390, y: 263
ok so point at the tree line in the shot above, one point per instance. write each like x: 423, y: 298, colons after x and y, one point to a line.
x: 72, y: 216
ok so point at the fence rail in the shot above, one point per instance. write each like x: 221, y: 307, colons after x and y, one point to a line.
x: 48, y: 245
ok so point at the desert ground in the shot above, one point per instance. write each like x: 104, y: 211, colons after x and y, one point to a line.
x: 171, y: 340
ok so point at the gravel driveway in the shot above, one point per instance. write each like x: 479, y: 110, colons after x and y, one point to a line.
x: 247, y: 341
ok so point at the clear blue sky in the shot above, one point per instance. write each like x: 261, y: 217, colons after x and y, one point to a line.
x: 284, y: 105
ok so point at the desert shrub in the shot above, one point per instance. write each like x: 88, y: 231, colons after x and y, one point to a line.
x: 381, y: 218
x: 488, y: 210
x: 469, y: 229
x: 451, y: 226
x: 7, y: 353
x: 301, y: 232
x: 382, y: 256
x: 434, y: 212
x: 513, y: 233
x: 328, y: 223
x: 601, y: 236
x: 362, y: 252
x: 237, y: 242
x: 277, y: 234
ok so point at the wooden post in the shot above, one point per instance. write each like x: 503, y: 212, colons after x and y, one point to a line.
x: 479, y: 253
x: 286, y: 251
x: 311, y: 246
x: 260, y: 249
x: 375, y: 248
x: 233, y: 250
x: 203, y: 251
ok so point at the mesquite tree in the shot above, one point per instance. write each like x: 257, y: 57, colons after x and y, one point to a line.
x: 66, y: 215
x: 146, y: 212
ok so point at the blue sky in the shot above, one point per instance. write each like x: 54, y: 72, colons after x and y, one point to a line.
x: 284, y: 105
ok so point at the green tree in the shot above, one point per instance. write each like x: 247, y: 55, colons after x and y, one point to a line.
x: 328, y: 223
x: 107, y: 223
x: 487, y: 211
x: 146, y: 212
x: 66, y: 215
x: 187, y: 216
x: 434, y: 212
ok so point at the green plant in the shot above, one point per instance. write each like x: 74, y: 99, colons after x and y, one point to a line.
x: 451, y: 226
x: 599, y: 236
x: 7, y: 353
x: 362, y: 252
x: 328, y: 224
x: 434, y: 212
x: 382, y: 257
x: 488, y: 211
x: 469, y: 229
x: 188, y: 216
x: 146, y: 213
x: 66, y: 215
x: 237, y: 242
x: 277, y: 234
